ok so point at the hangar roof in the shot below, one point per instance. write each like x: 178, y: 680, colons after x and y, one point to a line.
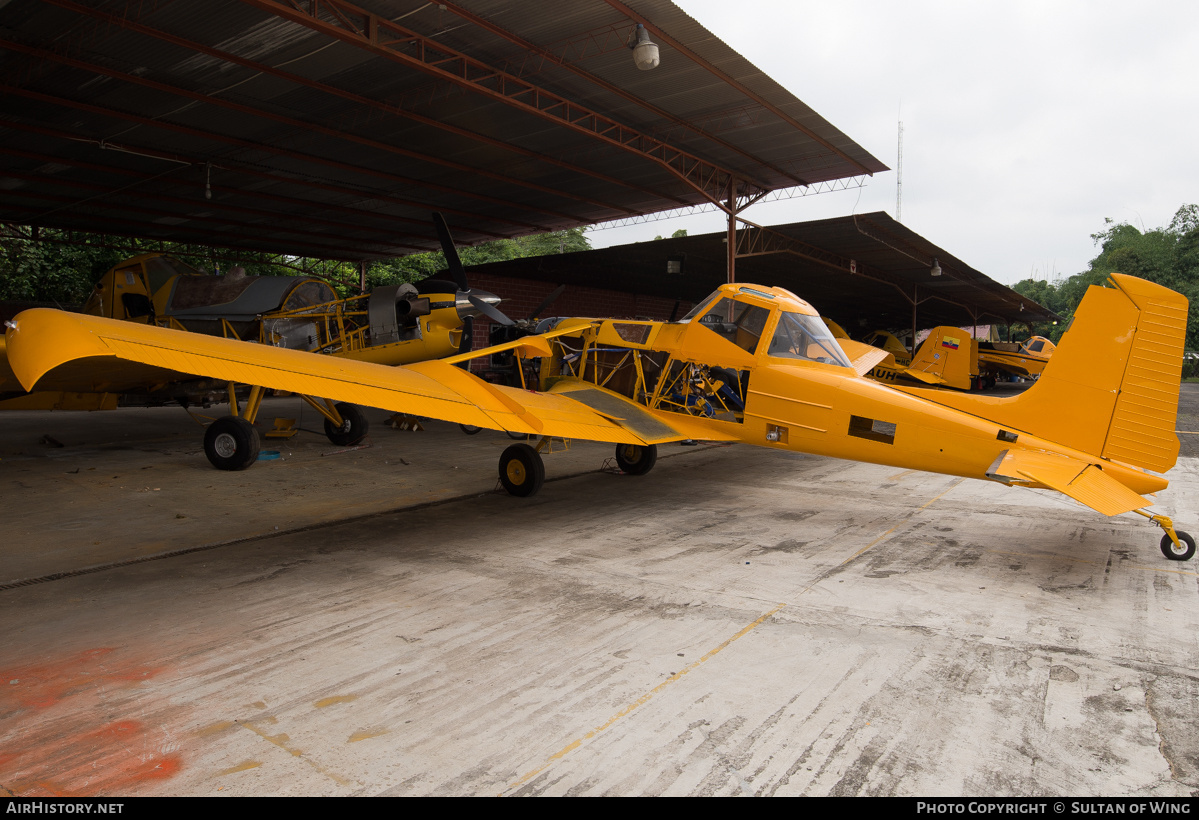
x: 865, y: 270
x: 331, y: 130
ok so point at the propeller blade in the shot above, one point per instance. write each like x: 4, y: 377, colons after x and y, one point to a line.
x: 549, y: 300
x: 487, y: 310
x: 451, y: 253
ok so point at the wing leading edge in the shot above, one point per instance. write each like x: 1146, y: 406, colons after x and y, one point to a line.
x: 45, y: 340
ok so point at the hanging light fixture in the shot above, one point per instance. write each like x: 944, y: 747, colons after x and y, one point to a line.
x: 935, y: 270
x: 645, y: 52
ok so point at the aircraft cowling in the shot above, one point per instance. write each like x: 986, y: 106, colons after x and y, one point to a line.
x: 392, y: 308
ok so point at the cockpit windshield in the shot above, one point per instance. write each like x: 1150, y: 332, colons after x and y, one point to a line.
x: 701, y: 307
x: 739, y: 322
x: 806, y: 337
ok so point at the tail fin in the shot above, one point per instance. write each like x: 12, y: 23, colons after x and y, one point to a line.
x: 949, y: 356
x: 1111, y: 387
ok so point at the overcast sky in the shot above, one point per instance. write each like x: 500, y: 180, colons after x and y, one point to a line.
x: 1025, y: 123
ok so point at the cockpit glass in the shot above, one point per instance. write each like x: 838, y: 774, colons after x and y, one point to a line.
x: 739, y: 322
x: 806, y: 337
x: 701, y: 307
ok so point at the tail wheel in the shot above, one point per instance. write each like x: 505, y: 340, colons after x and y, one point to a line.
x: 353, y: 427
x: 636, y: 459
x: 231, y: 443
x: 1183, y: 551
x: 522, y: 471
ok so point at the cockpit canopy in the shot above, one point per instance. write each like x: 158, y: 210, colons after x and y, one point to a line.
x: 741, y: 314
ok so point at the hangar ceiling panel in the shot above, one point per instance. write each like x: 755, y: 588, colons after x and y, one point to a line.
x: 332, y: 129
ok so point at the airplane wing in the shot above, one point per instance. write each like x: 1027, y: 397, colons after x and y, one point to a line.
x: 1082, y: 481
x: 46, y: 342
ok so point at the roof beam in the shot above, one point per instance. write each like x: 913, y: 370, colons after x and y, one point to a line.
x: 272, y: 221
x: 223, y: 237
x: 426, y: 232
x: 348, y: 23
x: 378, y: 105
x: 270, y: 149
x: 546, y: 54
x: 320, y: 129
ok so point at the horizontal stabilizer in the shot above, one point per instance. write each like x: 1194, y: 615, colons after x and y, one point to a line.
x: 1085, y: 483
x: 920, y: 375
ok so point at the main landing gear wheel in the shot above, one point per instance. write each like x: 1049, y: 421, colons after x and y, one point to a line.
x: 231, y: 443
x: 1187, y: 544
x: 521, y: 470
x: 353, y: 427
x: 469, y: 429
x: 636, y: 459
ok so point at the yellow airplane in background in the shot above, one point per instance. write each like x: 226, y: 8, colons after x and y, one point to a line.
x: 750, y: 364
x: 1026, y: 359
x: 947, y: 358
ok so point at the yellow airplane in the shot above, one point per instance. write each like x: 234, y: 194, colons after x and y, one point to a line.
x: 947, y: 358
x: 396, y: 324
x: 1027, y: 359
x: 750, y: 364
x: 888, y: 342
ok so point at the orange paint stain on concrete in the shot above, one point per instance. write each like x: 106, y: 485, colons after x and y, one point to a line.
x: 111, y: 759
x: 40, y: 686
x: 61, y: 738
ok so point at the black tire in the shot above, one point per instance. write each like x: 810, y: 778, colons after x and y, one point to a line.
x: 517, y: 436
x: 353, y: 429
x: 231, y: 443
x: 521, y: 470
x: 469, y: 429
x: 1173, y: 553
x: 636, y: 459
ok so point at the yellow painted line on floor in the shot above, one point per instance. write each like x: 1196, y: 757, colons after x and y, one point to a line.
x: 904, y: 521
x: 1188, y: 432
x: 641, y: 701
x: 283, y: 742
x: 574, y: 744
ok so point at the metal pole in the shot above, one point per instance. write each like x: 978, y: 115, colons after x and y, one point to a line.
x: 731, y: 233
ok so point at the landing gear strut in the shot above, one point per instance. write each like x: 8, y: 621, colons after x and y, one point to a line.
x: 1176, y: 544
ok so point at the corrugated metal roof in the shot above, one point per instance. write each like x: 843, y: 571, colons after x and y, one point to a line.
x: 863, y: 271
x: 334, y: 133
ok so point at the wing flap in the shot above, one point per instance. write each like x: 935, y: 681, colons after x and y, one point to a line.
x: 650, y: 427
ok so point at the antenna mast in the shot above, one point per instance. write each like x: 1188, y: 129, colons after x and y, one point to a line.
x: 899, y: 179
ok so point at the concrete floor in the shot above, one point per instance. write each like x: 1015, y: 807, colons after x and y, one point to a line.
x: 379, y: 621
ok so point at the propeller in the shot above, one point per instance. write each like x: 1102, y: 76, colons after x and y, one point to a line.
x: 549, y: 300
x: 459, y: 273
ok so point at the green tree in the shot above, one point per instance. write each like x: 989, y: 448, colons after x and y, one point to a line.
x: 1168, y: 256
